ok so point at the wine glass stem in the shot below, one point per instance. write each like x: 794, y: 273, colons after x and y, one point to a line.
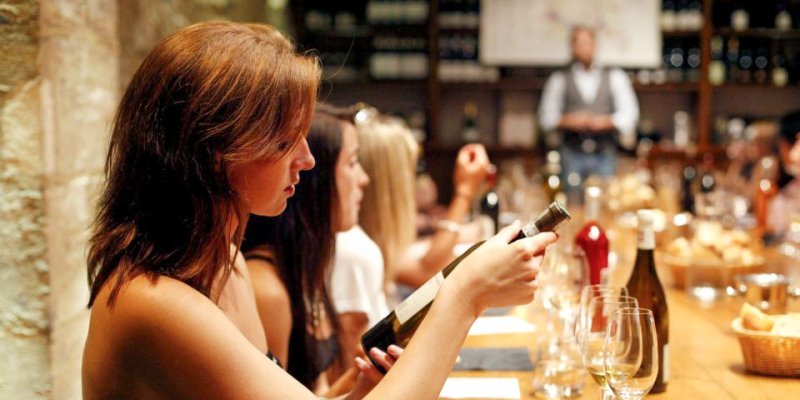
x: 608, y: 394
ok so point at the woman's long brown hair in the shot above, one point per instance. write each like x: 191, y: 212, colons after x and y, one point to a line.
x: 206, y: 98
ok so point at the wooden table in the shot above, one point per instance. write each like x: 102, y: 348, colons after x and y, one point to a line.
x: 705, y: 357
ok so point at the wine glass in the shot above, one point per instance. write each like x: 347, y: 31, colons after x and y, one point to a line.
x: 631, y: 353
x: 596, y: 320
x: 563, y: 275
x: 587, y: 293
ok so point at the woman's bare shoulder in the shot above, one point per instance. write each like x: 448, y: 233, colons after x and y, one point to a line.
x: 174, y: 338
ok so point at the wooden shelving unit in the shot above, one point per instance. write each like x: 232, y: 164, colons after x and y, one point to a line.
x: 699, y: 96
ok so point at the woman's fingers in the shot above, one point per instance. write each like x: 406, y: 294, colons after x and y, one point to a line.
x: 386, y: 361
x: 538, y: 243
x: 395, y: 351
x: 369, y: 370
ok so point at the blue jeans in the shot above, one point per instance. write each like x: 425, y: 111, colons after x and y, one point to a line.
x: 602, y: 163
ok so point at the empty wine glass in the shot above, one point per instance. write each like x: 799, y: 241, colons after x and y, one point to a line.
x: 596, y: 320
x: 562, y: 276
x: 631, y: 353
x: 587, y: 293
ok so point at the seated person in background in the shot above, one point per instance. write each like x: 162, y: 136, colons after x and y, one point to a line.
x: 588, y: 110
x: 289, y: 256
x: 388, y: 215
x: 786, y: 206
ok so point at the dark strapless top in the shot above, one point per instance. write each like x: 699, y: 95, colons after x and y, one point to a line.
x: 327, y: 350
x: 274, y: 359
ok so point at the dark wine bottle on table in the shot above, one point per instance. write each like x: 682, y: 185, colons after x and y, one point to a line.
x: 399, y: 326
x: 646, y: 288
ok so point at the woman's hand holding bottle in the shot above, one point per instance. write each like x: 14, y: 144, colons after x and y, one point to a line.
x: 499, y: 274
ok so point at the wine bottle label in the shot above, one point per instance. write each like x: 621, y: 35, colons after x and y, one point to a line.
x: 647, y: 240
x: 419, y: 299
x: 646, y: 234
x: 530, y: 230
x: 665, y: 364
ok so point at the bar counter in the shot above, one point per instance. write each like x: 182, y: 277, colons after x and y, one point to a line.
x: 705, y: 358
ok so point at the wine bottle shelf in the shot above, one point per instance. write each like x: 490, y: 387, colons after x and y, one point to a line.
x: 765, y: 33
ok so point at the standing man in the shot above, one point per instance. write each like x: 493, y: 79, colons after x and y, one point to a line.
x: 589, y: 110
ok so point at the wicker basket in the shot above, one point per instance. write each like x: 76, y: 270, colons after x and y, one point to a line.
x: 680, y: 269
x: 768, y: 354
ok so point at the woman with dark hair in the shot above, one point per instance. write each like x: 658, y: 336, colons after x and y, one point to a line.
x: 289, y: 256
x: 211, y: 129
x: 786, y: 206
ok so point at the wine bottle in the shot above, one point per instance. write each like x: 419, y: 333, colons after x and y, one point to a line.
x: 646, y: 288
x: 469, y: 129
x: 399, y: 326
x: 490, y: 206
x: 591, y: 238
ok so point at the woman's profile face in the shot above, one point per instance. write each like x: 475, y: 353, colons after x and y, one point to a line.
x: 790, y: 154
x: 350, y: 180
x: 265, y: 185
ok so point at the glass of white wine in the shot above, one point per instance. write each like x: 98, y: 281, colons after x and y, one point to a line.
x: 593, y: 344
x: 587, y: 294
x: 631, y: 353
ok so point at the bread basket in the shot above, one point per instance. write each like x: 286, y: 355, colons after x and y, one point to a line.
x: 766, y: 353
x: 680, y: 268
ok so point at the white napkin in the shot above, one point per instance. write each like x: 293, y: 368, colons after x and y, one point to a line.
x: 500, y: 325
x: 481, y: 388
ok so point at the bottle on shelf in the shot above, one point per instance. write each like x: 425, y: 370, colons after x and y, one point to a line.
x: 399, y: 326
x: 745, y: 66
x: 689, y: 176
x: 707, y: 180
x: 780, y: 76
x: 683, y: 16
x: 740, y: 20
x: 668, y: 16
x: 693, y: 64
x: 469, y: 123
x: 695, y: 15
x: 675, y: 64
x: 732, y: 57
x: 645, y: 286
x: 592, y: 238
x: 552, y: 178
x: 716, y: 69
x: 761, y: 63
x: 682, y: 127
x: 783, y: 19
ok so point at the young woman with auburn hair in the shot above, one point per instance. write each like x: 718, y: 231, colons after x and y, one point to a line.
x: 212, y: 128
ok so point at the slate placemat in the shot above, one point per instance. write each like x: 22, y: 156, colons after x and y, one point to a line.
x: 494, y: 359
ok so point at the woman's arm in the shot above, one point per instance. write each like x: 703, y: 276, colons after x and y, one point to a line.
x: 274, y: 307
x: 497, y: 274
x: 471, y: 168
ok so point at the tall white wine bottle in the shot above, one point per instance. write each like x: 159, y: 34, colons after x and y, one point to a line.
x: 398, y: 327
x: 646, y: 288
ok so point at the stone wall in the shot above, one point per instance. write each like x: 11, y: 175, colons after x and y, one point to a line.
x: 62, y: 67
x: 24, y: 371
x: 143, y: 23
x: 79, y: 69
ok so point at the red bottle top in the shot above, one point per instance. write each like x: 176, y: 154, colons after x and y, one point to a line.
x: 591, y: 238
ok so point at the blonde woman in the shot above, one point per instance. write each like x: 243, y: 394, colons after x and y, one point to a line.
x: 388, y: 214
